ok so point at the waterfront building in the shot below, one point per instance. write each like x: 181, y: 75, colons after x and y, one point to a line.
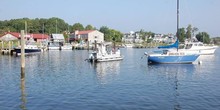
x: 10, y: 36
x: 132, y: 37
x: 88, y: 35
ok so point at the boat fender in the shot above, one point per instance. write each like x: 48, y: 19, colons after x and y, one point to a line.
x: 200, y: 62
x: 145, y: 53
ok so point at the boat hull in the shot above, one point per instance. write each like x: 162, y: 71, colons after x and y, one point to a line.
x: 94, y: 57
x: 181, y: 59
x: 27, y: 51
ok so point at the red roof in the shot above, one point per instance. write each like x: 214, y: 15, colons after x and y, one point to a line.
x: 14, y: 34
x: 40, y: 36
x: 85, y: 32
x: 35, y: 36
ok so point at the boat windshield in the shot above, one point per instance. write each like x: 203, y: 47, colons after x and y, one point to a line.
x: 188, y: 46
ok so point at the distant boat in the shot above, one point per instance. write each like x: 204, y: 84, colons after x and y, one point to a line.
x: 199, y: 48
x: 104, y: 52
x: 67, y: 46
x: 168, y: 55
x: 53, y: 46
x: 129, y: 45
x: 30, y: 48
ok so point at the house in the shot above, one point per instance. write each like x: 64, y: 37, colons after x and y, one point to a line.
x: 169, y: 38
x: 88, y: 35
x: 132, y: 37
x: 10, y: 36
x: 57, y: 38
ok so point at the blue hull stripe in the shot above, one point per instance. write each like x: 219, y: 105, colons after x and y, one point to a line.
x: 173, y: 59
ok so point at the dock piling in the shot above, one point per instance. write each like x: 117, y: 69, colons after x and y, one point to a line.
x: 22, y: 56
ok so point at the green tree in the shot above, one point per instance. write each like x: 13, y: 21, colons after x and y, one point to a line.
x: 181, y: 34
x: 111, y: 34
x: 89, y: 27
x: 203, y: 37
x: 106, y: 32
x: 78, y: 26
x: 194, y: 29
x: 189, y: 31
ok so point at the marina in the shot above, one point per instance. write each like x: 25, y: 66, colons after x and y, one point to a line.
x: 119, y: 55
x: 63, y: 80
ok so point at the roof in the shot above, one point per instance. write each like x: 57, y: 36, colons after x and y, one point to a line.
x: 85, y: 32
x: 8, y: 37
x: 35, y: 36
x: 40, y: 36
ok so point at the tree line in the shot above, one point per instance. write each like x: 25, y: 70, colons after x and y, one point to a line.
x: 190, y: 32
x: 57, y: 25
x: 54, y: 25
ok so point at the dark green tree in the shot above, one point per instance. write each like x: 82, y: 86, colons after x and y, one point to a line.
x: 203, y: 37
x: 106, y: 32
x: 181, y: 34
x: 189, y: 31
x: 111, y: 34
x: 89, y: 27
x: 78, y: 26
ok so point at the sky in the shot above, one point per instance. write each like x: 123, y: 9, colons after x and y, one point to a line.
x: 158, y: 16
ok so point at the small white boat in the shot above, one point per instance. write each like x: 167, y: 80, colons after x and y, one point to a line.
x: 104, y: 52
x: 67, y: 47
x: 53, y: 46
x: 129, y: 45
x: 200, y: 48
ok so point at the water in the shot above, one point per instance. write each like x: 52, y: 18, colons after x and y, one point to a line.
x: 58, y: 80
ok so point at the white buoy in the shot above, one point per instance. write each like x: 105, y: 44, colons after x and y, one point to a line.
x: 200, y: 62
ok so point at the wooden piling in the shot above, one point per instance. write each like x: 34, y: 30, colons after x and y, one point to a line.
x: 22, y: 55
x: 88, y: 45
x: 23, y: 95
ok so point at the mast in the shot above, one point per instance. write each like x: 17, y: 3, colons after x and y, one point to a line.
x: 56, y: 26
x: 177, y: 34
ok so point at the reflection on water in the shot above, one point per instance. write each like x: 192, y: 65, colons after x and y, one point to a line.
x: 23, y: 95
x: 63, y: 80
x: 174, y: 74
x: 106, y: 71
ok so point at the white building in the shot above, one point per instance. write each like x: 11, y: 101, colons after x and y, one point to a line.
x: 132, y: 37
x: 57, y: 38
x: 164, y: 38
x: 88, y: 35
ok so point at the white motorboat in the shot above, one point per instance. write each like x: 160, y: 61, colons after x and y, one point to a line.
x: 67, y: 47
x: 30, y: 47
x: 104, y: 52
x: 199, y: 48
x: 53, y: 46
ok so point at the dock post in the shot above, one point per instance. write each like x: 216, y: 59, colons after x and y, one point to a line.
x: 88, y: 45
x: 23, y: 95
x: 22, y: 56
x: 9, y: 48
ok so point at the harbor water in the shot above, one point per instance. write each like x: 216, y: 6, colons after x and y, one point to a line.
x: 63, y: 80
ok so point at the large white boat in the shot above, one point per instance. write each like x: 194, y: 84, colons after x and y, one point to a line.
x: 199, y: 48
x: 104, y: 52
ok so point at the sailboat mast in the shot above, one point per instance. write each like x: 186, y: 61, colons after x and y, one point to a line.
x: 177, y: 34
x: 177, y: 16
